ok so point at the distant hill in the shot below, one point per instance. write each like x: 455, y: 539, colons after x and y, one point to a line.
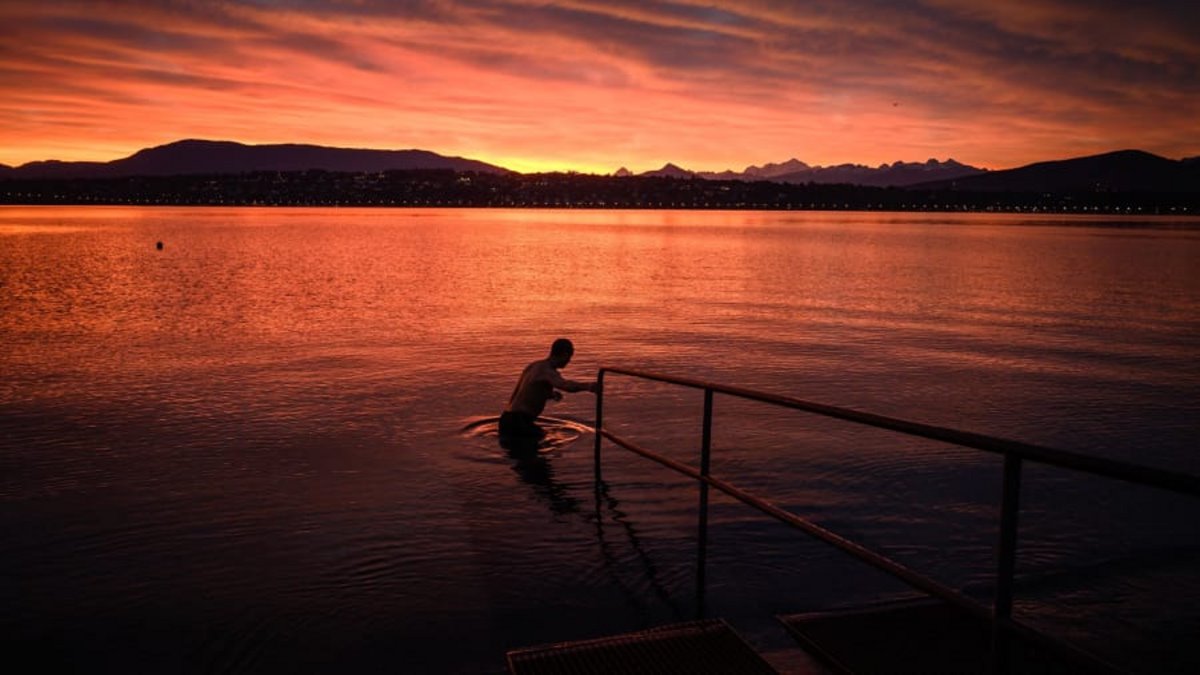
x: 898, y: 174
x: 226, y: 157
x: 1120, y: 171
x: 769, y: 171
x: 669, y: 171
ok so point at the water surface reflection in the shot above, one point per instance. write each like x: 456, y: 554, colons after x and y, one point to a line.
x: 247, y: 450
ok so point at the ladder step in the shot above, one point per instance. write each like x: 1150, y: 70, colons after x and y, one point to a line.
x: 694, y: 647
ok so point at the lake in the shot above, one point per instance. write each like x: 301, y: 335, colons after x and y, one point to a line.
x: 270, y: 445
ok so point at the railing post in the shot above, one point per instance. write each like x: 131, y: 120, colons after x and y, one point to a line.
x: 1006, y: 557
x: 702, y: 537
x: 599, y: 421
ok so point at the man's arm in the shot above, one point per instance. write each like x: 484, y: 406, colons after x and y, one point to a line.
x: 560, y: 382
x: 572, y: 385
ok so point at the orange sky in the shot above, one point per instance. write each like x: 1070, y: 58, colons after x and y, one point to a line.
x: 592, y: 85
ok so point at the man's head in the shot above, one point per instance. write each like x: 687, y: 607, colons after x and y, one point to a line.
x: 561, y: 352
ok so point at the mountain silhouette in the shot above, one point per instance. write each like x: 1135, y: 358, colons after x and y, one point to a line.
x: 897, y: 174
x: 1120, y: 171
x: 226, y: 157
x: 769, y: 171
x: 669, y: 171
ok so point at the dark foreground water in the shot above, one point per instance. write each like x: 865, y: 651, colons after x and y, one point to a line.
x: 269, y: 447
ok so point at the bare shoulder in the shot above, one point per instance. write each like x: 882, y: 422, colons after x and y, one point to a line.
x: 542, y: 369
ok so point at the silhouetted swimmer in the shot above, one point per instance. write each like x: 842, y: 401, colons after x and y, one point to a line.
x: 158, y: 246
x: 534, y: 470
x: 539, y: 382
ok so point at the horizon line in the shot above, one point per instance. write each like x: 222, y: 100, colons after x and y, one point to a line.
x: 535, y: 166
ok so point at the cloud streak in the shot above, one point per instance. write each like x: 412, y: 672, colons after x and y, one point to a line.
x: 590, y: 85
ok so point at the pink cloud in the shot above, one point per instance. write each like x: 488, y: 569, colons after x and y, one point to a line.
x: 593, y: 85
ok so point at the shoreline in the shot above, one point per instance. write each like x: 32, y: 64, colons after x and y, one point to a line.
x: 1185, y: 211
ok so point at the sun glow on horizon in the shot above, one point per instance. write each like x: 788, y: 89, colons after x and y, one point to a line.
x: 544, y: 165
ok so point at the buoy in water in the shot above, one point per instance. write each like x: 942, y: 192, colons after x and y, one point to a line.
x: 158, y: 246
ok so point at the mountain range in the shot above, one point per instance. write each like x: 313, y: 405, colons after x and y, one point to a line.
x: 897, y: 174
x: 224, y: 157
x: 1120, y: 171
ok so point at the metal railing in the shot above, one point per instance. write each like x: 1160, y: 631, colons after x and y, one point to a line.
x: 1015, y: 453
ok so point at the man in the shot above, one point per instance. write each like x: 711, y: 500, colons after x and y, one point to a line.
x: 540, y: 382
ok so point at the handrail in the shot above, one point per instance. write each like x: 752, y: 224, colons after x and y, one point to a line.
x: 1100, y: 466
x: 1014, y: 452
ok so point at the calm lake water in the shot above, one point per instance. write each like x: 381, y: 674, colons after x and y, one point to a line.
x: 269, y: 447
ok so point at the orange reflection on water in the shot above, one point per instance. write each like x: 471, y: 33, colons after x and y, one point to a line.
x: 271, y: 407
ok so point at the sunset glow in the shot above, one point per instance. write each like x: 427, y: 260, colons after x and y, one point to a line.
x: 593, y: 85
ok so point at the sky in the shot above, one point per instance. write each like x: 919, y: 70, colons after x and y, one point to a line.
x: 593, y: 85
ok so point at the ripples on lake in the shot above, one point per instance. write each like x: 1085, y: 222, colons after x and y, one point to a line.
x: 266, y: 448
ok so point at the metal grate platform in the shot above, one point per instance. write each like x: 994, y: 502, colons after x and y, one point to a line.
x: 695, y: 648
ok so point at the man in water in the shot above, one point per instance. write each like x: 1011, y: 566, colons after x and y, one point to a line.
x: 540, y: 382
